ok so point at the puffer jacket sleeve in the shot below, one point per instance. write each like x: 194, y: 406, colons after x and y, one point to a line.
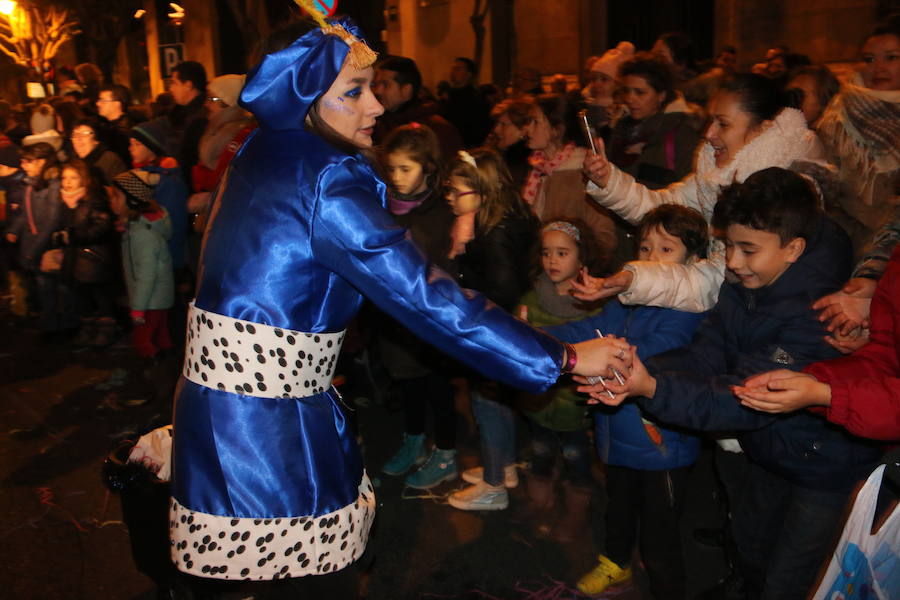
x: 353, y: 236
x: 691, y: 288
x: 631, y: 200
x: 694, y: 383
x: 865, y: 386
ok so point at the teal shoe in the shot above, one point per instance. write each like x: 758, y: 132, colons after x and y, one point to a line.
x: 411, y: 452
x: 440, y: 467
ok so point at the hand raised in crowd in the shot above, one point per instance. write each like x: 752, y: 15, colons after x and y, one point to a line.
x: 847, y: 309
x: 596, y: 167
x: 588, y: 288
x: 782, y: 391
x: 598, y: 355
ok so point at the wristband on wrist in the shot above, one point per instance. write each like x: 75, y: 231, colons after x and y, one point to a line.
x: 571, y: 358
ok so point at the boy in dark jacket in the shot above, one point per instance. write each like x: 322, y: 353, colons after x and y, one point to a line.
x: 782, y: 254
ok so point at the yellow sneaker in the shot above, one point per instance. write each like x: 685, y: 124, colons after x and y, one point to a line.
x: 602, y: 576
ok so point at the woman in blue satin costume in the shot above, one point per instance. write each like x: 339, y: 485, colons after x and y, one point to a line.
x: 267, y: 480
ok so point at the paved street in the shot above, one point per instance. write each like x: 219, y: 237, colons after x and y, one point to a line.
x: 62, y: 535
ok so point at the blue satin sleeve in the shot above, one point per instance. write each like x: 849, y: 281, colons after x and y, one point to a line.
x: 353, y: 236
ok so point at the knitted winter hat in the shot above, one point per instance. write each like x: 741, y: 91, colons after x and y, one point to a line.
x: 10, y: 156
x: 227, y: 88
x: 43, y: 119
x: 609, y: 63
x: 138, y: 186
x: 154, y: 135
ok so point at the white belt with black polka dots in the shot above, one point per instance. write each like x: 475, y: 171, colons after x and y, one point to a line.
x: 252, y: 359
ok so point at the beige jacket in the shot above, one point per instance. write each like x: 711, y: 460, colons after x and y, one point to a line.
x: 562, y: 195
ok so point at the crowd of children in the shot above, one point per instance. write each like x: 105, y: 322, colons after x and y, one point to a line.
x: 713, y: 280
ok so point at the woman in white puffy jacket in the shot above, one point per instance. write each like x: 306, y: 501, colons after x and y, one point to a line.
x: 750, y: 130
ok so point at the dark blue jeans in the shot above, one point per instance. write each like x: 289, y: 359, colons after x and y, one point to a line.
x: 783, y: 533
x: 576, y: 452
x: 497, y: 430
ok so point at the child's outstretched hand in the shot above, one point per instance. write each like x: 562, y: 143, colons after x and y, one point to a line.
x: 596, y: 167
x: 587, y: 288
x: 848, y: 308
x: 783, y: 391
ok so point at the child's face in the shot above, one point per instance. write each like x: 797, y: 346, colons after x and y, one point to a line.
x: 660, y: 246
x: 117, y: 201
x: 70, y: 180
x: 757, y: 257
x: 559, y: 256
x: 461, y: 197
x: 406, y: 175
x: 33, y: 166
x: 140, y: 154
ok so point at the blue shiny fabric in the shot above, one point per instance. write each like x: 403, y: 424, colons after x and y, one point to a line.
x: 299, y: 236
x: 282, y: 88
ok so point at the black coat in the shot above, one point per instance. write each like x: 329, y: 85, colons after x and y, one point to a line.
x: 753, y: 331
x: 496, y: 263
x: 91, y: 240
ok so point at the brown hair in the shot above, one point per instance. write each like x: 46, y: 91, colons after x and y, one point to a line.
x: 590, y: 254
x: 517, y: 109
x: 491, y: 180
x: 682, y: 222
x: 419, y: 142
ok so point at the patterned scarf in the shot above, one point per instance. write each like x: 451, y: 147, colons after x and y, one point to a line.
x: 862, y: 127
x: 540, y: 168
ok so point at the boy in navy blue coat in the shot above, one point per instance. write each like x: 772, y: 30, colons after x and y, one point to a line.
x: 782, y: 254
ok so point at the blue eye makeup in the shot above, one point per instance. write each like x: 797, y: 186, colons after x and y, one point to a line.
x: 354, y: 93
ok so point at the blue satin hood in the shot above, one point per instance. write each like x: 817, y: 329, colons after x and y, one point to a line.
x: 283, y: 87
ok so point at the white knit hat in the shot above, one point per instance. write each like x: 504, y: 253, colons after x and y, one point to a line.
x: 609, y: 63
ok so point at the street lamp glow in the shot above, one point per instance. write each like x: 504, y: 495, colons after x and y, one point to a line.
x: 7, y: 7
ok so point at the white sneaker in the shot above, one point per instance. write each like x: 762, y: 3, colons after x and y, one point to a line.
x: 510, y: 475
x: 480, y: 496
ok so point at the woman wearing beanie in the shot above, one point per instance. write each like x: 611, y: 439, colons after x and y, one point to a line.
x: 268, y: 482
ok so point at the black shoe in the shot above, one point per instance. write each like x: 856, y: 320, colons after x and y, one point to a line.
x: 714, y: 538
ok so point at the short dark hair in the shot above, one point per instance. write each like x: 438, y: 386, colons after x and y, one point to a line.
x: 758, y: 95
x: 470, y: 64
x: 775, y: 200
x: 407, y: 73
x: 560, y: 112
x: 120, y: 94
x: 682, y: 222
x: 657, y: 73
x: 192, y: 71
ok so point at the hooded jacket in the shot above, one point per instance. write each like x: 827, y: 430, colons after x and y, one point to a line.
x: 622, y: 438
x: 753, y: 331
x: 147, y: 264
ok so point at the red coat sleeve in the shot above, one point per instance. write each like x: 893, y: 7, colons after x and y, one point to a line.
x: 865, y: 386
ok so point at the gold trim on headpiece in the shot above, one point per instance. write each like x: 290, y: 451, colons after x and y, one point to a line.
x: 361, y: 56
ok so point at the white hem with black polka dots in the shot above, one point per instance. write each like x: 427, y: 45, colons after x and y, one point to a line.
x: 220, y: 547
